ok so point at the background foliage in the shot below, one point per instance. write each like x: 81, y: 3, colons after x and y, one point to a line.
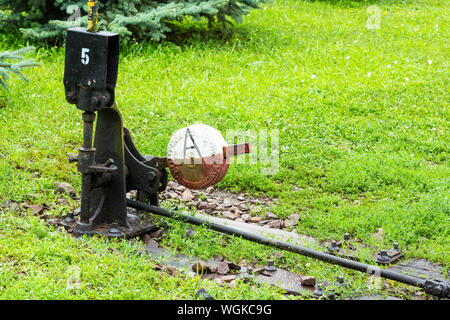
x: 46, y: 20
x: 14, y: 62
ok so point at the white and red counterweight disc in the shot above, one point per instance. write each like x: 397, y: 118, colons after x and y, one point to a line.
x: 198, y: 156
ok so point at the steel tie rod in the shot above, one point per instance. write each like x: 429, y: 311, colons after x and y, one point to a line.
x: 434, y: 287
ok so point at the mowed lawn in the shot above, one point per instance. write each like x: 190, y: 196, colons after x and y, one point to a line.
x: 362, y: 117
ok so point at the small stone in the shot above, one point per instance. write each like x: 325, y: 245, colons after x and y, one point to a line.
x: 246, y: 217
x: 240, y: 198
x: 243, y: 207
x: 277, y: 224
x: 187, y: 195
x: 223, y: 268
x: 227, y: 202
x: 218, y: 258
x: 294, y: 217
x: 308, y: 281
x: 209, y: 190
x: 157, y: 267
x: 256, y: 219
x: 172, y: 195
x: 37, y: 209
x: 65, y: 188
x: 173, y: 271
x: 146, y: 238
x: 229, y: 215
x: 152, y: 243
x: 236, y: 210
x: 271, y: 215
x: 263, y: 222
x: 289, y: 223
x: 172, y: 184
x: 228, y: 278
x: 200, y: 267
x: 202, y: 205
x: 212, y: 268
x: 180, y: 188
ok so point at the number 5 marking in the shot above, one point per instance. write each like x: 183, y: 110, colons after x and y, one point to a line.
x: 84, y: 56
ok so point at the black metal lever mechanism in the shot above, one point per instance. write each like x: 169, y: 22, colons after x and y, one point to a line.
x: 109, y: 162
x: 111, y: 165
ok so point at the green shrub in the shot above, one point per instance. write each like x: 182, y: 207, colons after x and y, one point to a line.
x: 46, y: 20
x: 14, y: 62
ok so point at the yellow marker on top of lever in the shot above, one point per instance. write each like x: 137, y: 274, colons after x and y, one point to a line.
x: 92, y: 16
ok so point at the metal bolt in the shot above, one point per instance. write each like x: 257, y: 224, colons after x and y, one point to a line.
x: 319, y: 291
x: 114, y: 229
x: 383, y: 256
x: 109, y: 162
x: 270, y: 266
x: 73, y: 159
x: 247, y: 274
x: 396, y: 247
x: 94, y: 100
x: 333, y: 246
x: 70, y: 96
x: 69, y: 217
x: 202, y: 293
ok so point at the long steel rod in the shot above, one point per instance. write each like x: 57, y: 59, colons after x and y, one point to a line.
x: 369, y: 269
x: 85, y: 160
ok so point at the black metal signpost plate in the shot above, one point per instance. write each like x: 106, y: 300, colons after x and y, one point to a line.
x: 92, y: 57
x: 91, y: 68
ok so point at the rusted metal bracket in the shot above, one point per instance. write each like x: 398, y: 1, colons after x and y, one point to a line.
x: 346, y: 249
x: 288, y: 281
x: 388, y: 256
x: 343, y: 248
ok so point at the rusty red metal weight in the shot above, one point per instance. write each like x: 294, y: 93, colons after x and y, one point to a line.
x: 198, y: 156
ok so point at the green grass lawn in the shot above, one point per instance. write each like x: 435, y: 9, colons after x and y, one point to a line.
x: 364, y: 144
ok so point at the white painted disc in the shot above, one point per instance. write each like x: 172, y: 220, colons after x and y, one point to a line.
x: 195, y: 142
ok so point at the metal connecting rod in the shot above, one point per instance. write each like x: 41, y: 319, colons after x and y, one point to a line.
x: 432, y: 286
x: 85, y: 160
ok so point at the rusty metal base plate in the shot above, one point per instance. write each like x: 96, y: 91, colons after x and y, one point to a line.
x: 392, y: 257
x: 136, y: 228
x: 288, y: 281
x: 421, y: 268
